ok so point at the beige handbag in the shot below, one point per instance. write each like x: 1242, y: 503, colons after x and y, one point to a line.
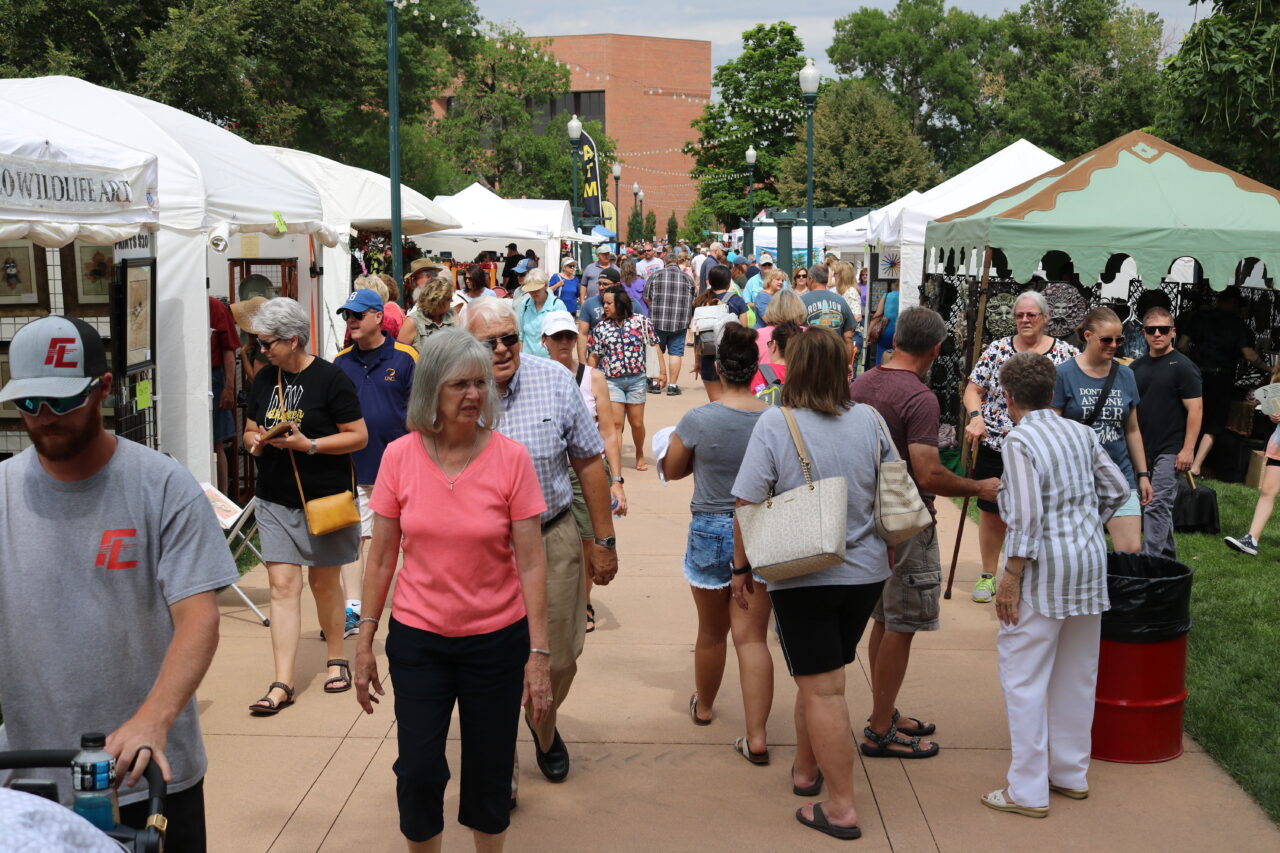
x: 801, y: 531
x: 900, y: 511
x: 332, y: 512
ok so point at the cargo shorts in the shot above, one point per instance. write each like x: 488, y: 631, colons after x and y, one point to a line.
x: 910, y: 599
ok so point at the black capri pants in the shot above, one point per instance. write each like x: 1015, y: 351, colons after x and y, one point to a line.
x: 990, y: 463
x: 484, y: 674
x: 820, y: 627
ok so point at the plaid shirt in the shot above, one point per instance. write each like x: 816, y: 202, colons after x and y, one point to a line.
x: 670, y: 295
x: 543, y: 410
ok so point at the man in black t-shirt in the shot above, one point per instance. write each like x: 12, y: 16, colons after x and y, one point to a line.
x: 1169, y: 415
x: 509, y: 279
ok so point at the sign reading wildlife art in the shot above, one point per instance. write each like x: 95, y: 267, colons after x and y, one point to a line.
x: 64, y: 187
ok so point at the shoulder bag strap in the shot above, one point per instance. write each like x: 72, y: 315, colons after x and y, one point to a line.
x: 582, y: 369
x: 884, y: 430
x: 798, y: 440
x: 769, y: 374
x: 292, y: 461
x: 1102, y: 398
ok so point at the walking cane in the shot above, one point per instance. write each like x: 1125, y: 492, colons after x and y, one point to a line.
x: 964, y: 516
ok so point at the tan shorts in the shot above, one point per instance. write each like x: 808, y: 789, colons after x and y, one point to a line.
x: 363, y: 493
x: 909, y: 602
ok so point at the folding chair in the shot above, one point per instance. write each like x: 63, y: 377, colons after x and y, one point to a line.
x: 240, y: 537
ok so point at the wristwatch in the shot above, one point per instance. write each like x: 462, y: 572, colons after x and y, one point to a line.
x: 610, y: 542
x: 312, y: 451
x: 619, y: 480
x: 976, y: 413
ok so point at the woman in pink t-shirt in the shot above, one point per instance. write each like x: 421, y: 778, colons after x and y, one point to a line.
x: 469, y: 617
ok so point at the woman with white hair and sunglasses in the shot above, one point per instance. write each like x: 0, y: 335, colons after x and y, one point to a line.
x: 468, y: 622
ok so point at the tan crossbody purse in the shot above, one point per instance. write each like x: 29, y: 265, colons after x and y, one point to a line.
x: 332, y: 512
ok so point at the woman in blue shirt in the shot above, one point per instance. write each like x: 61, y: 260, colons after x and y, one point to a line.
x: 1075, y: 396
x: 564, y: 284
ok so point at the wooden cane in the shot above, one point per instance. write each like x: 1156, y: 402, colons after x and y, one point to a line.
x: 964, y: 516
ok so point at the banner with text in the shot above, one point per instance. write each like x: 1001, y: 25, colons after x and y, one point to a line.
x: 592, y: 201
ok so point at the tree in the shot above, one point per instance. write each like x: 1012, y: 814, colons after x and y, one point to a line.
x: 673, y: 229
x: 650, y: 225
x: 931, y: 60
x: 635, y: 226
x: 1076, y: 74
x: 871, y: 161
x: 1221, y: 99
x: 697, y: 220
x: 759, y: 106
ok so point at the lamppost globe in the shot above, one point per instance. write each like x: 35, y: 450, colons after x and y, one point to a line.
x: 617, y: 170
x: 642, y: 196
x: 809, y: 77
x: 635, y: 188
x: 751, y: 156
x: 575, y: 129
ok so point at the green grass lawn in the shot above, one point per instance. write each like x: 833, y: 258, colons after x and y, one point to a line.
x: 1233, y: 709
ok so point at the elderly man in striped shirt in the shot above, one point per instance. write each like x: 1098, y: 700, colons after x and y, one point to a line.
x: 1059, y: 486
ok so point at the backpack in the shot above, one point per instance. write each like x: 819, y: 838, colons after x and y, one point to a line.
x: 706, y: 320
x: 772, y: 392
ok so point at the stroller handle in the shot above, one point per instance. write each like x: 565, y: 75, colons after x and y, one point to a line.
x: 30, y: 759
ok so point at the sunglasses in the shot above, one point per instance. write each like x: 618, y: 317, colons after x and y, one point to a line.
x: 509, y: 341
x: 57, y: 405
x: 355, y: 315
x: 802, y: 275
x: 1157, y: 330
x: 268, y: 344
x: 1027, y: 315
x: 564, y: 337
x: 1108, y: 341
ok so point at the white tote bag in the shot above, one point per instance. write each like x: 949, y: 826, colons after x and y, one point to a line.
x: 900, y: 511
x: 800, y: 531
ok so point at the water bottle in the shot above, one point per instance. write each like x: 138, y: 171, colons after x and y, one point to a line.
x: 93, y: 776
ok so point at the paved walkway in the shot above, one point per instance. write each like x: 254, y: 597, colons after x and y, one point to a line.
x: 318, y: 776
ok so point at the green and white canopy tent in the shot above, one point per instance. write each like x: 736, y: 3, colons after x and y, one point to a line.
x: 1136, y: 196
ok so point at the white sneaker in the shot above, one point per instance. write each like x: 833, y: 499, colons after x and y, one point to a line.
x: 984, y: 590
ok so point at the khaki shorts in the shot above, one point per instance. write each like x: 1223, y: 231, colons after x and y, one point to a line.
x: 909, y: 602
x: 363, y: 493
x: 579, y: 505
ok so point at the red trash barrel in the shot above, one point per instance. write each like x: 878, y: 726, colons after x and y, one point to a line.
x: 1142, y: 661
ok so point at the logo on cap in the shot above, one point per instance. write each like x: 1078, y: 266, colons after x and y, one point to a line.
x: 59, y: 350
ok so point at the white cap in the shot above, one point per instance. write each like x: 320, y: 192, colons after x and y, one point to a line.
x: 765, y: 258
x: 54, y: 356
x: 558, y: 321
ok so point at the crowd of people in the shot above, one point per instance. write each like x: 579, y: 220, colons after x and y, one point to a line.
x: 506, y: 416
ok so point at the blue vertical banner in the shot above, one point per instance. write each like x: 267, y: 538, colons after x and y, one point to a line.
x: 592, y: 202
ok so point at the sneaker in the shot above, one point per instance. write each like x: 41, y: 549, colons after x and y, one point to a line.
x: 1244, y: 544
x: 353, y: 624
x: 984, y: 590
x: 673, y: 391
x: 655, y: 387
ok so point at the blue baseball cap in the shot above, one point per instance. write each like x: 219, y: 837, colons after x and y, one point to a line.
x: 523, y: 267
x: 362, y: 300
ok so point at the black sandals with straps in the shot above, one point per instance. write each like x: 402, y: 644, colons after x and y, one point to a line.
x: 886, y: 742
x: 270, y: 708
x: 344, y: 674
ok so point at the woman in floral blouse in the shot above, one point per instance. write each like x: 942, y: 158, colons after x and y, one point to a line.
x: 989, y: 421
x: 617, y: 346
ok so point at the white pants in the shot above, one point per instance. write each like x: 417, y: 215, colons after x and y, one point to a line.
x: 1049, y: 673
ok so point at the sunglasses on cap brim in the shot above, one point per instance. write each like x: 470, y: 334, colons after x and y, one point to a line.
x: 57, y: 405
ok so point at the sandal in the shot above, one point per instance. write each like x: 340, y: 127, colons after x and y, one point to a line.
x: 885, y: 743
x: 1000, y: 802
x: 591, y: 618
x: 811, y: 791
x: 919, y: 729
x: 345, y: 675
x: 693, y: 712
x: 257, y: 709
x: 743, y: 748
x: 820, y: 823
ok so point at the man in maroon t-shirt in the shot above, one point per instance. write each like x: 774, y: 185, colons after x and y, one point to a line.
x: 909, y: 602
x: 224, y: 340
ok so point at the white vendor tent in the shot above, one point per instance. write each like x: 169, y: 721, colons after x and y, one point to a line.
x: 59, y: 184
x: 902, y: 231
x: 359, y: 199
x: 212, y: 184
x: 858, y: 232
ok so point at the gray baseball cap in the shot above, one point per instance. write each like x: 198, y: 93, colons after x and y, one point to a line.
x: 54, y: 356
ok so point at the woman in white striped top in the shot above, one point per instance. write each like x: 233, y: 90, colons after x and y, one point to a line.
x: 1058, y: 488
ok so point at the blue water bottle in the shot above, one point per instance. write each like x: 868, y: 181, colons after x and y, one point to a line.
x: 93, y: 776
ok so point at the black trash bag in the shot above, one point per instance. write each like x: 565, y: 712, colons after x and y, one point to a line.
x: 1150, y: 599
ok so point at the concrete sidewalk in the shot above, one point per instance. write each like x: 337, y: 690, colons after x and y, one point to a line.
x: 318, y: 776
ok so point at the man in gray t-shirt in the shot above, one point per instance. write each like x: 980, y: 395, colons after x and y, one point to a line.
x: 110, y: 560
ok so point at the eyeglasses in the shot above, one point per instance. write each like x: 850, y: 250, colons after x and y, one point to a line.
x: 1028, y: 315
x: 268, y: 344
x: 1108, y: 341
x: 509, y: 341
x: 1157, y: 330
x: 355, y: 315
x: 57, y: 405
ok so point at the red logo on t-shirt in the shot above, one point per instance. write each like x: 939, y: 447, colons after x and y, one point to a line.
x: 59, y: 349
x: 113, y: 542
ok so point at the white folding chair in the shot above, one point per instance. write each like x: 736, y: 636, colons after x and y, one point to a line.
x: 240, y: 537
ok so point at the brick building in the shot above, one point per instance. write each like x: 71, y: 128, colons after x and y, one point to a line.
x: 645, y: 91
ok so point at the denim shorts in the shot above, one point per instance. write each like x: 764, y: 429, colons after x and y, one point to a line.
x: 672, y: 343
x: 628, y: 389
x: 708, y: 558
x: 1131, y: 507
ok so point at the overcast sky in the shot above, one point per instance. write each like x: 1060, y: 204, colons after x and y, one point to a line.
x: 723, y: 24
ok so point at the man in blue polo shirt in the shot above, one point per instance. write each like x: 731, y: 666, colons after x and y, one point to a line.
x: 381, y: 368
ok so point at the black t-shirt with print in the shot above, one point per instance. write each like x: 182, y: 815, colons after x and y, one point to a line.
x: 317, y: 399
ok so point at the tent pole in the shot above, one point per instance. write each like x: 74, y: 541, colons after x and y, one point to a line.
x: 976, y: 350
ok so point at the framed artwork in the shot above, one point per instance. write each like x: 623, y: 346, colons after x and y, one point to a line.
x: 8, y: 411
x: 136, y: 313
x: 87, y: 275
x: 24, y: 279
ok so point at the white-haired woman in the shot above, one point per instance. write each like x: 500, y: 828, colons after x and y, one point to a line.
x: 468, y: 621
x: 319, y: 403
x: 989, y: 421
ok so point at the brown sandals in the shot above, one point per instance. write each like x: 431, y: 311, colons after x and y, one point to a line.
x: 344, y: 667
x: 258, y: 709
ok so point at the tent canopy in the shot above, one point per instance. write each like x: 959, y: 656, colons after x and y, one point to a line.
x: 360, y: 198
x: 858, y: 232
x: 59, y: 184
x: 1136, y: 196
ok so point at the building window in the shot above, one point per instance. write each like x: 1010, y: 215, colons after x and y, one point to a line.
x: 588, y: 106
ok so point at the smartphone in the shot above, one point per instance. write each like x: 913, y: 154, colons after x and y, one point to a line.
x: 276, y: 431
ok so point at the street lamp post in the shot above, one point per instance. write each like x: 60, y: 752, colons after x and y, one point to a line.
x: 748, y: 241
x: 393, y: 117
x: 635, y: 205
x: 809, y: 90
x: 617, y: 203
x: 575, y: 136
